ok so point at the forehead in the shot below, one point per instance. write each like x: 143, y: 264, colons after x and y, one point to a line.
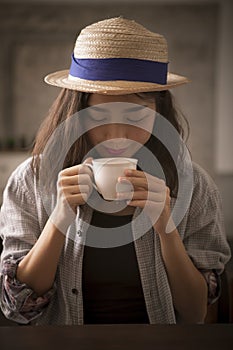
x: 141, y: 99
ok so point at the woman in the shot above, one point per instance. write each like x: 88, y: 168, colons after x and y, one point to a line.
x: 51, y: 271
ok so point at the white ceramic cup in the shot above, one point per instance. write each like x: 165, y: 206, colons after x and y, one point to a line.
x: 106, y: 173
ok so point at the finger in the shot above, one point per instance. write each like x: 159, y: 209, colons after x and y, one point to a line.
x: 144, y: 183
x: 142, y: 195
x: 77, y: 189
x: 146, y: 204
x: 77, y: 199
x: 88, y: 160
x: 66, y: 181
x: 70, y: 171
x: 85, y: 168
x: 76, y: 194
x: 142, y: 174
x: 76, y: 169
x: 134, y: 172
x: 84, y: 179
x: 135, y: 181
x: 138, y: 183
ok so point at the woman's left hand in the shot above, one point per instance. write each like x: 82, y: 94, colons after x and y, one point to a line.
x: 149, y: 193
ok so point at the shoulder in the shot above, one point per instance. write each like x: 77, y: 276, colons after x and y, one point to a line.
x: 202, y: 181
x: 205, y: 194
x: 23, y: 170
x: 22, y: 177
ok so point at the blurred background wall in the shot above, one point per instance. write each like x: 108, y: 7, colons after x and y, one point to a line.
x: 37, y: 37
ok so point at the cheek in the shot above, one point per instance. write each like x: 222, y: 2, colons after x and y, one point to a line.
x: 94, y: 136
x: 91, y: 137
x: 143, y: 132
x: 139, y: 135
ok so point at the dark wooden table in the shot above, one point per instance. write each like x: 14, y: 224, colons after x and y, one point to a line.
x: 113, y: 337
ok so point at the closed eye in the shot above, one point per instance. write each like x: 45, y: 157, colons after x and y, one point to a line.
x: 137, y: 119
x: 97, y: 118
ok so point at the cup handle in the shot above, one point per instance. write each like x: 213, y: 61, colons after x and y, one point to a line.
x: 90, y: 166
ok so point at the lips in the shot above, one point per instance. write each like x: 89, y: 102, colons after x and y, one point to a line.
x: 115, y: 152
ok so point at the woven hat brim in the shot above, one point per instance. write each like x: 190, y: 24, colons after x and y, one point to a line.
x: 116, y: 87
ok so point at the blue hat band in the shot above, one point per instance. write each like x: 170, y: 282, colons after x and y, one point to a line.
x: 129, y: 69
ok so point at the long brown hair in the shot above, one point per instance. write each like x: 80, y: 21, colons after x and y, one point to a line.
x: 69, y: 102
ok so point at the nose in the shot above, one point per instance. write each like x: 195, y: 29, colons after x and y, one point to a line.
x: 114, y: 131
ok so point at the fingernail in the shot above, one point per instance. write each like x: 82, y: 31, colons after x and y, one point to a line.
x: 122, y: 179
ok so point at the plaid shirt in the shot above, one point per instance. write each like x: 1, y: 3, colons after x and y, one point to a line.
x: 23, y: 218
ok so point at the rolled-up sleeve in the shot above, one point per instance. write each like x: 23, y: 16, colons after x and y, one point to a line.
x: 213, y: 282
x: 205, y: 239
x: 19, y: 302
x: 19, y: 230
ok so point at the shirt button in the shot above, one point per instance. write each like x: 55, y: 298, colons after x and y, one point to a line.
x: 74, y: 291
x: 79, y: 233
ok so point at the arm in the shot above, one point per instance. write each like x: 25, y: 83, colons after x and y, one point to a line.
x: 188, y: 286
x: 204, y: 246
x: 27, y: 253
x: 38, y: 268
x: 20, y: 229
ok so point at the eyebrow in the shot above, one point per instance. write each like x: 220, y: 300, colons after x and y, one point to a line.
x: 127, y: 110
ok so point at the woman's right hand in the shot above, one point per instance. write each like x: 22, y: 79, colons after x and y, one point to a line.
x: 38, y: 268
x: 74, y: 186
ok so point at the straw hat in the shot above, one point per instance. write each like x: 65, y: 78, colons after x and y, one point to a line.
x: 117, y: 56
